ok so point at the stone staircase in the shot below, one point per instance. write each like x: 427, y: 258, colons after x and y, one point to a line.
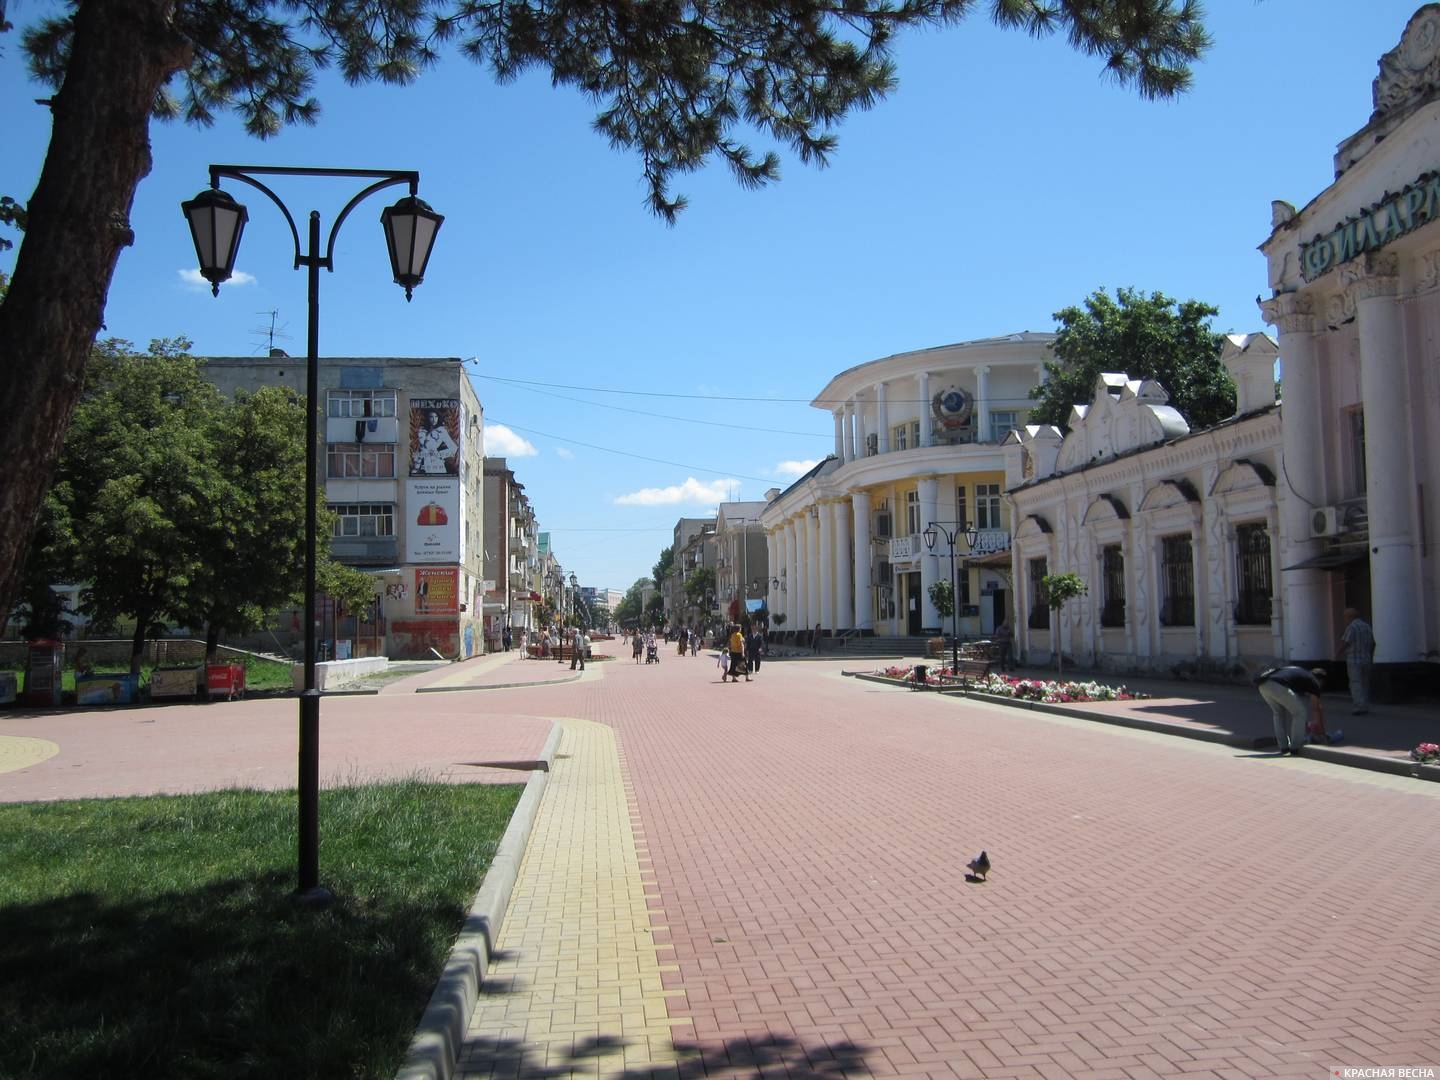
x: 874, y: 646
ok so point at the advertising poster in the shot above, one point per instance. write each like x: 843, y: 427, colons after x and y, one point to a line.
x: 432, y: 529
x: 434, y: 436
x: 437, y: 591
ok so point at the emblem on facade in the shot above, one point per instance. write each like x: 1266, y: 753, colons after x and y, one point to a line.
x: 952, y: 409
x: 1412, y: 68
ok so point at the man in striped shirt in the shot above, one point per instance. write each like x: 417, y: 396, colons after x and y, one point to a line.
x: 1357, y: 649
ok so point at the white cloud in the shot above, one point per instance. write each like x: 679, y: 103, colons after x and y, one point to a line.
x: 500, y: 441
x: 192, y: 278
x: 565, y: 452
x: 691, y: 491
x: 794, y: 468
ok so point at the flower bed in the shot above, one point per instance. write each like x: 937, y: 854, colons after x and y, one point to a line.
x: 1427, y: 753
x: 1048, y: 691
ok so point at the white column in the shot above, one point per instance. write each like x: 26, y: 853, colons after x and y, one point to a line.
x: 860, y: 426
x: 840, y: 434
x: 843, y: 576
x: 772, y: 571
x: 814, y: 613
x: 929, y: 567
x: 864, y: 604
x: 827, y: 567
x: 982, y: 403
x: 1305, y: 592
x: 1389, y: 471
x: 882, y: 419
x: 792, y: 576
x: 925, y: 432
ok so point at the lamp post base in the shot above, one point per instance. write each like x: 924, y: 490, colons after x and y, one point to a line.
x: 313, y: 899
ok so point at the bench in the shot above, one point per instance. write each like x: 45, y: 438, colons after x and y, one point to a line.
x: 967, y: 668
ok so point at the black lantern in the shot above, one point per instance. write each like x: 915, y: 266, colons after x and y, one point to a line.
x: 216, y: 223
x: 410, y: 228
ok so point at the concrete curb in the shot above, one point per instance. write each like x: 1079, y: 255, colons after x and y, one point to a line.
x: 498, y: 686
x: 1329, y: 754
x: 435, y: 1049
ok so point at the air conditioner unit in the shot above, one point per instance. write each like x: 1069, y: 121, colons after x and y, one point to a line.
x: 882, y: 526
x: 872, y: 445
x: 1326, y: 521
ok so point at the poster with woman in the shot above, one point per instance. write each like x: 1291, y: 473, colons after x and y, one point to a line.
x: 434, y: 436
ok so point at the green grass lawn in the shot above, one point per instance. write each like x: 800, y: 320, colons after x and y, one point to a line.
x: 156, y: 937
x: 260, y: 674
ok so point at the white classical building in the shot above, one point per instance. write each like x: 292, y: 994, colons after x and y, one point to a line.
x: 916, y: 440
x: 1355, y: 281
x: 1174, y: 532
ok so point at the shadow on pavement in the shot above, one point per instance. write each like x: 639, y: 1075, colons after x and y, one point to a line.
x: 778, y: 1055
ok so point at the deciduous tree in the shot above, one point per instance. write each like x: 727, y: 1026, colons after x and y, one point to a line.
x: 1147, y: 337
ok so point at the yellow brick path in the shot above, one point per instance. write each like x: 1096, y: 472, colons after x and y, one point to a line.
x: 575, y: 985
x: 17, y: 752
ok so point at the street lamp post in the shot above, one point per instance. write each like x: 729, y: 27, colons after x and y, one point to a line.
x: 216, y: 224
x: 952, y: 531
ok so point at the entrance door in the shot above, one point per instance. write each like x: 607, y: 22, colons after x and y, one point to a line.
x: 999, y: 612
x: 913, y: 608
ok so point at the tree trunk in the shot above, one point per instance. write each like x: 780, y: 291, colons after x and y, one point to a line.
x: 137, y: 643
x: 212, y: 641
x: 78, y: 223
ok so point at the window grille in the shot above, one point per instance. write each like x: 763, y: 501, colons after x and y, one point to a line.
x: 1039, y: 610
x: 1177, y: 581
x: 1253, y: 582
x: 1112, y: 575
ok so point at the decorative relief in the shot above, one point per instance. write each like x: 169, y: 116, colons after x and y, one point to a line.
x: 1339, y: 309
x: 1428, y: 275
x: 1290, y: 313
x: 1372, y: 275
x: 1411, y: 70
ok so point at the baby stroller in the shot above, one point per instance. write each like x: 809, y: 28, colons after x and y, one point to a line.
x: 652, y: 653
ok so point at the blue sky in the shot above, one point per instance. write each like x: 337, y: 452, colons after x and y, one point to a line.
x: 1004, y: 180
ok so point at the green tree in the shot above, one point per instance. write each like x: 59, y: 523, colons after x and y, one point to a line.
x: 661, y: 570
x: 137, y: 475
x: 1058, y: 590
x: 1147, y: 337
x: 254, y: 535
x: 942, y: 595
x: 630, y: 610
x: 677, y: 83
x: 700, y: 582
x: 655, y: 611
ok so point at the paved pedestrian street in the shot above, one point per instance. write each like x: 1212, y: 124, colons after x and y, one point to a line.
x: 769, y: 878
x: 1158, y: 906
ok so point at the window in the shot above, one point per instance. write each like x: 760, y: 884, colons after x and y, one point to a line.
x: 987, y: 506
x: 897, y: 437
x: 358, y: 461
x: 1252, y: 556
x: 1039, y: 610
x: 359, y: 404
x: 914, y: 432
x: 912, y: 511
x: 962, y: 509
x: 1002, y: 423
x: 1112, y: 583
x: 1177, y: 581
x: 364, y: 519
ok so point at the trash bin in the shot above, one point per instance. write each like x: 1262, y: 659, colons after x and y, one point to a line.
x: 921, y: 671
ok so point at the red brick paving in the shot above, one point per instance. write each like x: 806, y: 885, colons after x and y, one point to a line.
x: 1158, y: 907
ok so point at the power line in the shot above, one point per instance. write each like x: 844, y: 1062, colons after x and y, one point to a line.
x: 664, y: 416
x: 714, y: 397
x: 640, y: 457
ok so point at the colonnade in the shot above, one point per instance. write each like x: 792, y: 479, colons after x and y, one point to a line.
x: 1370, y: 288
x: 822, y: 556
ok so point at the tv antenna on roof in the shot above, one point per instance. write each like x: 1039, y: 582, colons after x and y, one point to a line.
x: 270, y: 334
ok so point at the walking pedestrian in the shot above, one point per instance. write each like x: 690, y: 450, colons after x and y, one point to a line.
x: 754, y: 648
x: 1293, y: 695
x: 694, y: 643
x: 1357, y: 649
x: 579, y: 645
x: 505, y: 639
x: 815, y: 639
x: 637, y: 646
x: 736, y: 646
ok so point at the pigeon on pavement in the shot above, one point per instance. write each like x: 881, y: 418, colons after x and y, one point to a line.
x: 980, y: 865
